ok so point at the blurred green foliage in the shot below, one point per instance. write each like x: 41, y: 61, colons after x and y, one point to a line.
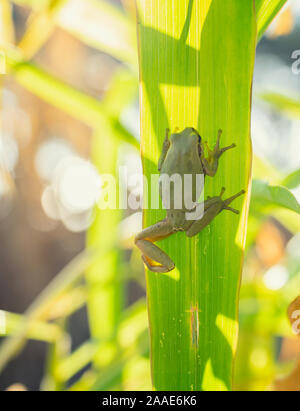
x: 118, y: 351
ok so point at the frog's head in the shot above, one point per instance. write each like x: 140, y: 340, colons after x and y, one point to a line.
x: 194, y: 131
x: 194, y: 137
x: 188, y: 132
x: 187, y: 139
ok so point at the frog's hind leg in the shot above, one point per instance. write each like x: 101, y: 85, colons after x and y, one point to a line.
x: 230, y: 200
x: 154, y: 258
x: 212, y: 207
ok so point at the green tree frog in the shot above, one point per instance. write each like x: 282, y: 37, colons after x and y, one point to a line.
x: 183, y: 153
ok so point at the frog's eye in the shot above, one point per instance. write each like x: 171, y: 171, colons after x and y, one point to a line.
x: 198, y: 136
x: 199, y: 150
x: 196, y: 133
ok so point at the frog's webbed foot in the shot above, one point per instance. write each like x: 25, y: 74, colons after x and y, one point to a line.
x: 230, y: 199
x: 212, y: 161
x: 212, y: 207
x: 217, y: 151
x: 154, y: 258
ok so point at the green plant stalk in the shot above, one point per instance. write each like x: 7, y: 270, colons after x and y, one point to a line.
x: 40, y: 308
x: 7, y: 34
x: 266, y: 10
x: 196, y: 67
x: 105, y: 290
x: 115, y: 34
x: 38, y: 330
x: 73, y: 102
x: 35, y: 4
x: 101, y: 25
x: 133, y: 325
x: 286, y: 104
x: 41, y: 27
x: 57, y: 353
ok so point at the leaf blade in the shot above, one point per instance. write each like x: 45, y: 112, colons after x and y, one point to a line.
x: 192, y: 318
x: 266, y: 11
x: 267, y: 195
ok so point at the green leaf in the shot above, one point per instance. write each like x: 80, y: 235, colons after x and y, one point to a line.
x: 72, y: 101
x: 196, y: 65
x: 105, y: 290
x: 38, y: 330
x: 287, y: 219
x: 262, y: 169
x: 35, y: 4
x: 101, y: 25
x: 39, y: 30
x: 292, y: 180
x: 7, y: 34
x: 97, y: 23
x: 266, y: 11
x: 265, y: 195
x: 41, y: 307
x: 283, y: 103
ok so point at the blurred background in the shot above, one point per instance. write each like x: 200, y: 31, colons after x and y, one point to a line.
x: 70, y: 113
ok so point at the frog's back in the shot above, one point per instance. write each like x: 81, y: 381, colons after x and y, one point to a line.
x: 183, y: 156
x: 182, y: 159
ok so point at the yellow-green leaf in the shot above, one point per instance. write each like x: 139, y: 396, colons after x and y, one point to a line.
x: 196, y: 65
x: 265, y: 195
x: 266, y: 11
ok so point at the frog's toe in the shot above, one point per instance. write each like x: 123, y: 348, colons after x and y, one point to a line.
x: 222, y: 150
x: 158, y: 268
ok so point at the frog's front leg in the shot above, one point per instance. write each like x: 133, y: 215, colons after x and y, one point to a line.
x: 155, y: 259
x: 210, y: 164
x: 165, y: 148
x: 212, y: 207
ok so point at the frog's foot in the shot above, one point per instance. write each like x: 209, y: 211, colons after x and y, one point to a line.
x: 164, y: 268
x: 212, y: 207
x: 230, y: 199
x: 212, y: 161
x: 155, y: 259
x: 217, y: 151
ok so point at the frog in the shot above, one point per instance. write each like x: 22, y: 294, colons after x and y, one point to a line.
x: 184, y: 153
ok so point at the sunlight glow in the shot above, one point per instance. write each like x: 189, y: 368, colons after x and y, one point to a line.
x: 9, y: 152
x: 293, y: 246
x: 2, y: 323
x: 77, y: 184
x: 276, y: 277
x: 210, y: 380
x: 74, y: 185
x: 259, y: 358
x: 229, y: 328
x: 49, y: 155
